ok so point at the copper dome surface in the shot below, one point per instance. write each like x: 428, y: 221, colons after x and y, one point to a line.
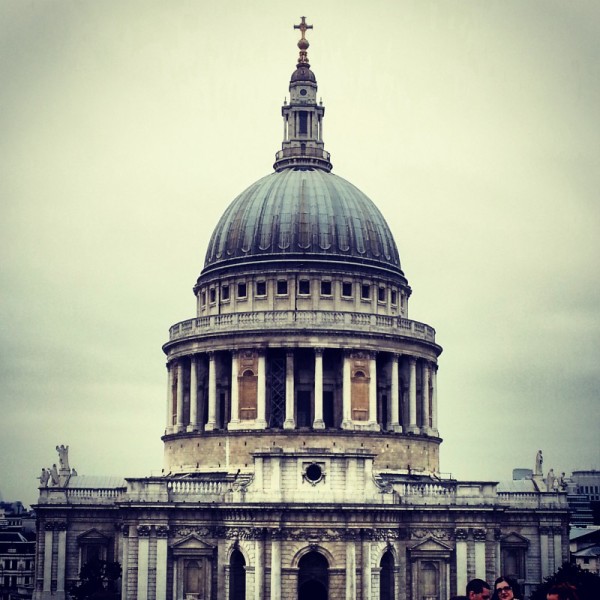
x: 302, y: 214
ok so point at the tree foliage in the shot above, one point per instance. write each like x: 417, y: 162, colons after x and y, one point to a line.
x: 587, y: 584
x: 97, y: 581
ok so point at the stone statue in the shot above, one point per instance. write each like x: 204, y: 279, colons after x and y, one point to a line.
x: 562, y: 484
x: 73, y: 472
x: 44, y: 478
x: 539, y: 461
x: 54, y: 475
x: 550, y: 480
x: 63, y: 457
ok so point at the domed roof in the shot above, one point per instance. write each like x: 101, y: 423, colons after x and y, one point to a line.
x: 302, y: 214
x: 303, y: 73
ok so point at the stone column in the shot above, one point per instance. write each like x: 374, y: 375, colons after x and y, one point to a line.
x: 372, y: 423
x: 412, y: 396
x: 61, y: 559
x: 434, y: 407
x: 544, y: 552
x: 558, y: 561
x: 350, y: 568
x: 480, y: 536
x: 261, y: 420
x: 193, y: 424
x: 366, y: 569
x: 426, y: 428
x: 235, y: 390
x: 169, y: 425
x: 162, y: 533
x: 259, y: 570
x: 125, y: 563
x: 290, y: 421
x: 346, y: 394
x: 212, y: 393
x: 318, y: 423
x: 48, y: 551
x: 179, y: 426
x: 275, y: 568
x: 394, y: 412
x: 498, y: 550
x: 143, y: 532
x: 461, y: 560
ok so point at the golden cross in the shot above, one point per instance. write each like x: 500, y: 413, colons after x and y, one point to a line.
x: 303, y: 27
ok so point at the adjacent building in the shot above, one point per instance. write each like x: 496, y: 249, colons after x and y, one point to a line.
x: 301, y: 435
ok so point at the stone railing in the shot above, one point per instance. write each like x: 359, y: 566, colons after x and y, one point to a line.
x: 87, y: 495
x: 299, y: 319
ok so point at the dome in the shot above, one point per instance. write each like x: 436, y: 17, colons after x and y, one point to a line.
x: 303, y: 73
x: 303, y: 215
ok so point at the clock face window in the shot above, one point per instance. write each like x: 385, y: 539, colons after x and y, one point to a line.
x: 303, y: 92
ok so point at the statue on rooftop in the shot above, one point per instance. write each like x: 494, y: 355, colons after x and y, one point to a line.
x: 550, y: 480
x: 44, y: 477
x: 539, y: 461
x: 63, y: 457
x: 54, y: 476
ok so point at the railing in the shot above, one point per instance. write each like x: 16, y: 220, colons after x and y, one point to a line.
x: 296, y: 151
x: 309, y: 319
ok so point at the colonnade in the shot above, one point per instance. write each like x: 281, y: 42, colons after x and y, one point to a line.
x: 399, y: 392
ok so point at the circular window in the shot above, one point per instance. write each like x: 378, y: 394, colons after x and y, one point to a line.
x: 314, y: 473
x: 303, y: 92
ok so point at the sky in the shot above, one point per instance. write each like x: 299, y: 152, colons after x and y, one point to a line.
x: 127, y: 127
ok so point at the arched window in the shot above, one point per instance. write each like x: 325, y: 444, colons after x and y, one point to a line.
x: 313, y: 577
x: 386, y: 579
x: 237, y: 576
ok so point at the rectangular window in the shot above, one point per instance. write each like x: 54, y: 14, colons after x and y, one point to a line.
x: 225, y: 293
x: 203, y: 298
x: 261, y: 288
x: 212, y: 294
x: 381, y: 294
x: 282, y: 287
x: 346, y: 289
x: 304, y: 286
x: 302, y: 122
x: 241, y: 290
x: 365, y: 291
x: 325, y: 288
x: 394, y: 297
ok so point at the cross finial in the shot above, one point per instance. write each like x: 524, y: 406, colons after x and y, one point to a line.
x: 303, y: 27
x: 303, y: 42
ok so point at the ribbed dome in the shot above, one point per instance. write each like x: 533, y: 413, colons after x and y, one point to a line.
x: 302, y: 214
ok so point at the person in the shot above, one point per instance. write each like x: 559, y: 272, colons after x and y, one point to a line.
x: 562, y: 591
x: 505, y: 589
x: 478, y: 589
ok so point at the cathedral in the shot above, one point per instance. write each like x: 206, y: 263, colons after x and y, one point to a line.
x: 301, y: 442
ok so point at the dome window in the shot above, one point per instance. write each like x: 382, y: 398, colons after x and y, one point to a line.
x: 365, y: 291
x: 242, y: 291
x: 381, y: 294
x: 212, y: 295
x: 346, y: 289
x: 225, y: 293
x: 304, y: 287
x: 325, y: 288
x: 394, y: 298
x: 203, y: 298
x: 282, y: 287
x: 261, y: 288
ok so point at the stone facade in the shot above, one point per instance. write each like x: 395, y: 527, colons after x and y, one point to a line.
x: 301, y: 437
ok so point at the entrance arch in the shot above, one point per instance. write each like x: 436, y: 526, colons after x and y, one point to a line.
x: 313, y: 577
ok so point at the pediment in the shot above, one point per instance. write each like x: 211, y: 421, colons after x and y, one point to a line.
x: 430, y: 545
x: 514, y: 539
x: 192, y: 545
x: 92, y: 535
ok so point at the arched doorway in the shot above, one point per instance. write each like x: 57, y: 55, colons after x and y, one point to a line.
x: 386, y: 579
x: 237, y: 576
x: 313, y: 577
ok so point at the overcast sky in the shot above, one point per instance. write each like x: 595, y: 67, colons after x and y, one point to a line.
x: 127, y: 127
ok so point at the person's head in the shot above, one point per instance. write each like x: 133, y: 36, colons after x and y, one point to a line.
x: 478, y: 589
x: 562, y: 591
x: 504, y: 589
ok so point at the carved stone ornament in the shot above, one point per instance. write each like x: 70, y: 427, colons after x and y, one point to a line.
x: 143, y: 530
x: 190, y: 529
x: 244, y: 533
x: 461, y: 534
x: 352, y: 534
x: 438, y: 534
x: 162, y: 531
x: 479, y: 535
x: 49, y: 526
x: 386, y: 535
x: 497, y: 535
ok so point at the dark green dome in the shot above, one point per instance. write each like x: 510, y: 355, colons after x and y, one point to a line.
x: 302, y: 214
